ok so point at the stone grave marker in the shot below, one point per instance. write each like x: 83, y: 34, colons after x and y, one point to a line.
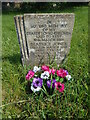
x: 44, y: 35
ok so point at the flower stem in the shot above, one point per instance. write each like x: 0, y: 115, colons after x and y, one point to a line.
x: 51, y: 80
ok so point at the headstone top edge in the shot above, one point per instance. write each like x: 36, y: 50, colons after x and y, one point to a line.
x: 18, y: 16
x: 49, y: 14
x: 26, y: 14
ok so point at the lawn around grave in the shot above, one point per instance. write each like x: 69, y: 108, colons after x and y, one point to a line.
x: 16, y: 99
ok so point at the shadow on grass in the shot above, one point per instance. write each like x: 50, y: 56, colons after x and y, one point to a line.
x: 28, y: 88
x: 13, y: 59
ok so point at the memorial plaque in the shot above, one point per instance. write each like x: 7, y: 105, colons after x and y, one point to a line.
x: 44, y: 35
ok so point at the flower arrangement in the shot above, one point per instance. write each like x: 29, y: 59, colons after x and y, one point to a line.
x: 47, y: 78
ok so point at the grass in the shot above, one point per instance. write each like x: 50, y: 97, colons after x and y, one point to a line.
x: 18, y: 103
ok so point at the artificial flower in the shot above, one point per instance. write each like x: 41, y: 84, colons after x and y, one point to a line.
x: 59, y: 86
x: 35, y: 89
x: 29, y: 75
x: 62, y: 73
x: 68, y: 77
x: 66, y: 72
x: 45, y: 68
x: 52, y: 71
x: 35, y: 69
x: 49, y: 83
x: 37, y: 82
x: 45, y: 75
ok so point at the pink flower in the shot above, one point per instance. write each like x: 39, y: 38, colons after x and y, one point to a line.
x: 45, y: 68
x: 62, y: 73
x: 59, y: 86
x: 29, y: 75
x: 52, y: 71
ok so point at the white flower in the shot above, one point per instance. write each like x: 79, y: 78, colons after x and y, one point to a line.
x: 35, y: 89
x: 45, y: 75
x: 35, y: 69
x: 68, y: 77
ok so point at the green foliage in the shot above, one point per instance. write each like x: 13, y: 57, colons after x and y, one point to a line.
x: 19, y: 102
x: 39, y: 6
x: 61, y: 80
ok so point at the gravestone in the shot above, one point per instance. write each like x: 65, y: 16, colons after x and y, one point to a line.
x: 44, y: 35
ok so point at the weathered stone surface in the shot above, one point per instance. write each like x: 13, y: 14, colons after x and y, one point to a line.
x: 41, y: 35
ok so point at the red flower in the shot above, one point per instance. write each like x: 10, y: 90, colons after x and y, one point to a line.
x: 59, y: 86
x: 61, y: 73
x: 45, y: 68
x: 29, y: 75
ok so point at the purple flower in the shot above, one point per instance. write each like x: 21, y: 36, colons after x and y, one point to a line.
x: 49, y: 83
x: 37, y: 82
x: 66, y: 72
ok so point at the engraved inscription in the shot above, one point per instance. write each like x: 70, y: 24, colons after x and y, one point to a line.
x: 48, y: 33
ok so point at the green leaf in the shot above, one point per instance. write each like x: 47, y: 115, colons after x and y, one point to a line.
x: 43, y: 114
x: 44, y: 92
x: 86, y: 86
x: 31, y: 79
x: 44, y: 88
x: 57, y: 79
x: 61, y: 80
